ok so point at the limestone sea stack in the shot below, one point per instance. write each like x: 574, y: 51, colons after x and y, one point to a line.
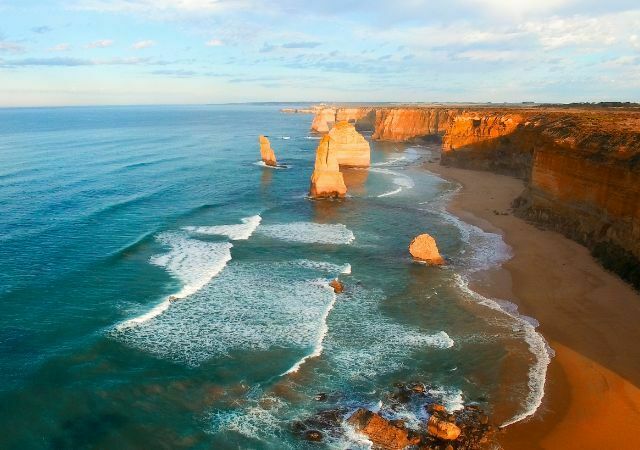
x: 323, y: 120
x: 327, y: 181
x: 352, y: 149
x: 424, y: 248
x: 266, y: 152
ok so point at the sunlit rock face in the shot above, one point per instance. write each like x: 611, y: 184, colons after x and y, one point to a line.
x: 404, y: 124
x: 266, y: 152
x: 326, y: 180
x: 423, y: 248
x: 323, y: 120
x: 352, y: 149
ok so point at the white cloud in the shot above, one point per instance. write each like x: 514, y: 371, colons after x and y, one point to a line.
x: 10, y: 47
x: 163, y: 5
x: 143, y: 44
x: 214, y: 43
x: 102, y: 43
x: 60, y: 48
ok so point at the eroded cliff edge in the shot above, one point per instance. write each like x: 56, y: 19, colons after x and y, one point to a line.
x: 581, y: 166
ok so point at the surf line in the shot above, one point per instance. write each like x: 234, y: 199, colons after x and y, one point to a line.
x: 324, y: 329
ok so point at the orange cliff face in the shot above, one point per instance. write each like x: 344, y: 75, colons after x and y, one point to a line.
x: 351, y: 148
x: 403, y: 124
x: 326, y: 180
x: 266, y: 152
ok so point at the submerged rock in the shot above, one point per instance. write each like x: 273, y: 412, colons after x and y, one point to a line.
x: 326, y: 180
x: 337, y: 286
x: 266, y: 152
x: 352, y: 149
x: 424, y: 248
x: 382, y: 432
x: 313, y: 435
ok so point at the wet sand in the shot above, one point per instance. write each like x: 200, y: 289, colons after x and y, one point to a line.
x: 589, y: 317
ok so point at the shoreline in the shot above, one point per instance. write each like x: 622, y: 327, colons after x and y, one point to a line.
x: 587, y: 315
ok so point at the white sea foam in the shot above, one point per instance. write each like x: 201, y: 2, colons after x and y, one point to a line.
x: 402, y: 181
x: 322, y: 332
x: 191, y: 261
x: 309, y: 233
x: 451, y: 399
x: 323, y: 266
x: 285, y: 137
x: 230, y: 314
x: 537, y: 346
x: 315, y: 138
x: 368, y: 343
x: 267, y: 166
x: 236, y: 232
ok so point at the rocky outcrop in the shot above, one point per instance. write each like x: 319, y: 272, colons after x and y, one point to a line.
x: 382, y: 432
x: 423, y: 248
x: 442, y: 429
x: 352, y: 149
x: 337, y: 286
x: 326, y: 180
x: 266, y: 152
x: 323, y: 120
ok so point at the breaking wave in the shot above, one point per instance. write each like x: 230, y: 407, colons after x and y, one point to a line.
x: 234, y: 232
x: 309, y: 233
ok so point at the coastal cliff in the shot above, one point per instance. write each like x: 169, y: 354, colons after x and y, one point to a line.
x: 403, y: 124
x: 581, y: 165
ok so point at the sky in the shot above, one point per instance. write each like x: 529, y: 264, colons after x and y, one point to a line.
x: 113, y: 52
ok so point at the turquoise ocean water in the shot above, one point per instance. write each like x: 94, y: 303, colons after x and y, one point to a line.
x: 107, y: 213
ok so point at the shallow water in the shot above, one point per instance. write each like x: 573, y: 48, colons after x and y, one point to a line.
x: 108, y: 213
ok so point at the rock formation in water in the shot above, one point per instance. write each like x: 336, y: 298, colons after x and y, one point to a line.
x: 442, y: 429
x: 323, y: 120
x: 337, y: 286
x: 581, y: 165
x: 352, y: 149
x: 326, y: 180
x: 424, y: 248
x: 266, y: 152
x: 382, y: 432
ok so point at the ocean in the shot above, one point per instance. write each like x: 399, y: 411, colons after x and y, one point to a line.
x: 160, y: 288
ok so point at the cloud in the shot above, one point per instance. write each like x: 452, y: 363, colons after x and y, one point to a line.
x: 304, y: 44
x: 11, y: 47
x: 102, y: 43
x: 145, y: 6
x: 143, y: 44
x: 75, y: 62
x: 214, y: 43
x: 41, y: 29
x: 60, y: 47
x: 177, y: 73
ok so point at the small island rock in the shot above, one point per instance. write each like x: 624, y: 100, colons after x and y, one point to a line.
x: 266, y: 152
x: 424, y: 248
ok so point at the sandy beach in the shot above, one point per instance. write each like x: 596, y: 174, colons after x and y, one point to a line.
x: 588, y: 316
